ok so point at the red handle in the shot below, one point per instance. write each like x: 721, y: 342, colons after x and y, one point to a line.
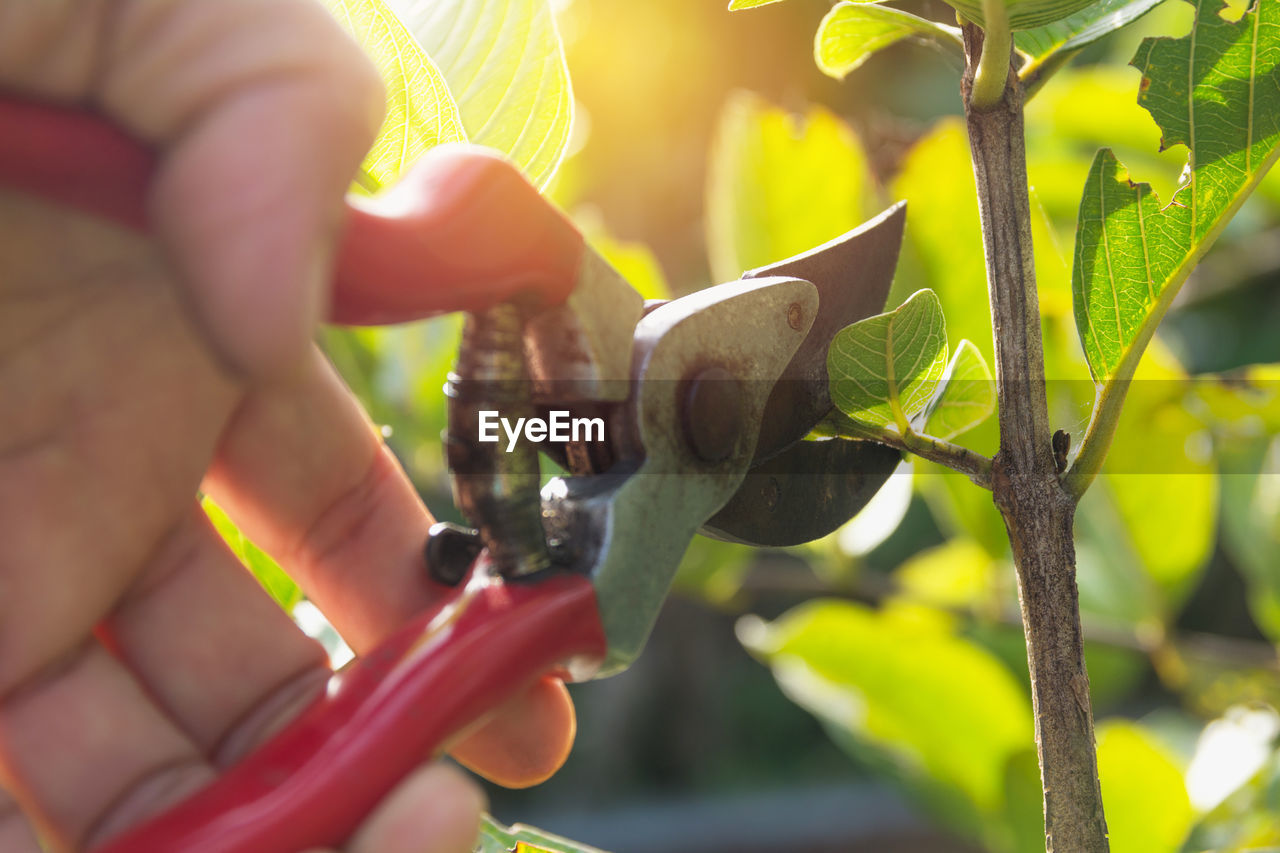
x: 312, y: 784
x: 462, y: 231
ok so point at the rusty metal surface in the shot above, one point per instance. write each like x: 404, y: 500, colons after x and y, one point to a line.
x: 581, y: 350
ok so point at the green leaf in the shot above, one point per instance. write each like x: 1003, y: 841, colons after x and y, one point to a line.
x: 1216, y: 91
x: 1079, y: 30
x: 779, y: 185
x: 504, y: 61
x: 735, y: 5
x: 885, y: 369
x: 968, y: 395
x: 420, y: 111
x: 1142, y: 790
x: 851, y: 32
x: 273, y: 578
x: 496, y: 838
x: 1251, y: 522
x: 956, y: 574
x: 880, y: 678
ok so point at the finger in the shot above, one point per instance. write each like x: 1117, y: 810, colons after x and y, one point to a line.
x: 86, y: 753
x: 16, y: 834
x: 339, y: 513
x: 269, y: 108
x: 506, y: 753
x: 224, y: 662
x: 262, y: 109
x: 436, y: 810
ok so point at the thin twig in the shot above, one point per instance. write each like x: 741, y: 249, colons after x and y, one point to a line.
x: 953, y: 456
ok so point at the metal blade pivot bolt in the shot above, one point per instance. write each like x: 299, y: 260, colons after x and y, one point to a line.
x: 795, y: 316
x: 713, y: 413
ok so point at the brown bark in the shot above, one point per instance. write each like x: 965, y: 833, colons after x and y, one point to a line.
x: 1038, y: 512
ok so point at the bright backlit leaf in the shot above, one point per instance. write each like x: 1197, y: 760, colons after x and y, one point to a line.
x: 1079, y: 30
x: 968, y: 395
x: 273, y: 578
x: 851, y: 32
x: 496, y: 838
x: 1216, y: 91
x: 635, y: 261
x: 881, y: 677
x: 421, y: 113
x: 504, y: 62
x: 1142, y: 790
x: 1136, y: 567
x: 885, y: 369
x: 779, y: 185
x: 956, y: 574
x: 735, y: 5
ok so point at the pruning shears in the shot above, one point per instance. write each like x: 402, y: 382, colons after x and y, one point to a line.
x: 706, y: 401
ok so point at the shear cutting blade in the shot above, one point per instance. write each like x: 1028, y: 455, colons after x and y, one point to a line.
x: 798, y: 491
x: 853, y: 274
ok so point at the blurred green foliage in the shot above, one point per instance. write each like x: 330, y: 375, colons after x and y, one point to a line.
x: 682, y: 178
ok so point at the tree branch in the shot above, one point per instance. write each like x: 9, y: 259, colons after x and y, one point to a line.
x: 1038, y: 513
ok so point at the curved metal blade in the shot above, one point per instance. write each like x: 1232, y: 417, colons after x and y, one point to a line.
x: 853, y: 274
x: 804, y: 493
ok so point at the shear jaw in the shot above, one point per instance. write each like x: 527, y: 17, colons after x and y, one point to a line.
x: 703, y: 368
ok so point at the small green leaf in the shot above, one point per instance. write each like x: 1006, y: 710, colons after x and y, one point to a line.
x: 1216, y: 91
x: 1142, y: 790
x: 420, y: 111
x: 779, y: 185
x: 851, y: 32
x: 735, y: 5
x: 273, y: 578
x: 967, y: 398
x: 885, y: 369
x: 1079, y: 30
x: 496, y: 838
x: 505, y: 63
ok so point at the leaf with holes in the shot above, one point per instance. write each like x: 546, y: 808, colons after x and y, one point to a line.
x: 421, y: 113
x: 884, y: 370
x: 967, y: 398
x: 504, y: 62
x: 1216, y: 91
x: 852, y: 32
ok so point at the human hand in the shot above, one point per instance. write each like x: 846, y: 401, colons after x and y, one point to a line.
x: 137, y: 658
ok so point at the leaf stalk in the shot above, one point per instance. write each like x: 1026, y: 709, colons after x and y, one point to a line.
x: 997, y: 56
x: 953, y: 456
